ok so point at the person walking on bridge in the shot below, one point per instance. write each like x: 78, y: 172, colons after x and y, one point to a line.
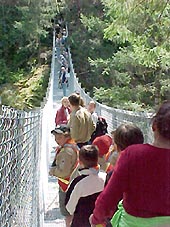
x: 142, y: 178
x: 63, y: 113
x: 91, y: 108
x: 63, y: 79
x: 84, y: 189
x: 80, y: 123
x: 65, y: 161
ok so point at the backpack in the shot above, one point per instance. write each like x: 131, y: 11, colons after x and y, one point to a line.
x: 101, y: 128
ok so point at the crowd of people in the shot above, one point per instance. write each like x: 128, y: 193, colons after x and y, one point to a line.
x: 108, y: 179
x: 61, y: 53
x: 115, y: 179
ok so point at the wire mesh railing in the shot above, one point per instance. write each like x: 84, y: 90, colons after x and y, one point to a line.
x: 19, y: 167
x: 23, y: 139
x: 114, y: 117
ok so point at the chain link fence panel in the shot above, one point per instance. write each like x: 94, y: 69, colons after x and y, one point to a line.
x: 23, y: 140
x: 20, y: 140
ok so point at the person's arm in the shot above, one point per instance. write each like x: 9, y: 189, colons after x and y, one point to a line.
x: 106, y: 203
x: 74, y: 128
x: 57, y: 120
x: 94, y: 118
x: 59, y: 76
x: 92, y: 125
x: 65, y: 78
x: 68, y: 123
x: 73, y: 194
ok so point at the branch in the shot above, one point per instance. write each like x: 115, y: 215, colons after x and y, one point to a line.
x: 163, y: 10
x: 139, y: 3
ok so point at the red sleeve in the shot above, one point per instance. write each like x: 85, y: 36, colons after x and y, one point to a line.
x: 106, y: 203
x: 57, y: 118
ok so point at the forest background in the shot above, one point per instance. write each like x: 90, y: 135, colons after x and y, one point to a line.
x: 120, y: 50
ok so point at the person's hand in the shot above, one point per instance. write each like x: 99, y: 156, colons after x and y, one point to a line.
x: 98, y: 225
x: 51, y: 170
x: 90, y: 220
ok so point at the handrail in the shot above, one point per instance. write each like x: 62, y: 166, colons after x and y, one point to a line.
x: 22, y: 149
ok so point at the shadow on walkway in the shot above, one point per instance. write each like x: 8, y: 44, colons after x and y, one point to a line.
x: 53, y: 214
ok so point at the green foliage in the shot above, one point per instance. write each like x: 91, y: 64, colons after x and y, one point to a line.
x: 111, y: 96
x: 25, y: 32
x: 86, y: 30
x: 143, y: 27
x: 121, y: 97
x: 3, y: 71
x: 119, y: 47
x: 29, y: 92
x: 22, y: 27
x: 92, y: 24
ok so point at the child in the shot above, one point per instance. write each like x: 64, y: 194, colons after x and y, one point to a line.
x: 124, y: 136
x: 112, y: 155
x: 103, y: 143
x: 65, y: 161
x: 91, y: 108
x: 63, y: 113
x: 84, y: 189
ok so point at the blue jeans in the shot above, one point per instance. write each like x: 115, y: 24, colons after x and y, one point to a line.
x: 64, y: 86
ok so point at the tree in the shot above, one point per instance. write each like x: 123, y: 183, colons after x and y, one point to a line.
x: 23, y: 26
x: 25, y: 31
x: 143, y: 26
x: 122, y: 49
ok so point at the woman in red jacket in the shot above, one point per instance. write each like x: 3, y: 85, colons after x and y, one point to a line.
x: 142, y: 178
x: 63, y: 112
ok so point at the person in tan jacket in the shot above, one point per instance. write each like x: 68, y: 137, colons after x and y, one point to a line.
x: 80, y: 123
x: 65, y: 161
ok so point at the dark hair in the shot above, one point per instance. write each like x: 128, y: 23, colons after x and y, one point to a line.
x: 162, y: 119
x: 82, y: 102
x: 88, y: 155
x: 74, y: 99
x: 126, y: 135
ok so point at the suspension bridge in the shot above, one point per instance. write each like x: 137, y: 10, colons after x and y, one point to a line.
x: 28, y: 195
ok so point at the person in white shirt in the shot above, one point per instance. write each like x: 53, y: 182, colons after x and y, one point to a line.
x: 91, y: 108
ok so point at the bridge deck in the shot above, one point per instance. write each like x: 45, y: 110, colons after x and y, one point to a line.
x: 52, y: 217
